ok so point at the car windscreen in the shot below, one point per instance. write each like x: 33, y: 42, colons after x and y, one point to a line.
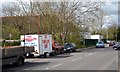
x: 100, y: 43
x: 68, y: 45
x: 57, y: 44
x: 118, y: 43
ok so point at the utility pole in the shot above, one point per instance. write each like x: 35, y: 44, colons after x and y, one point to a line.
x: 38, y: 25
x: 38, y: 18
x: 31, y: 14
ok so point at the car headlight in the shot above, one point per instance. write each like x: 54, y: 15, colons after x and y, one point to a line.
x: 68, y: 48
x: 64, y: 49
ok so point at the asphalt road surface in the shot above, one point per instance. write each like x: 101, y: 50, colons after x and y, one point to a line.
x: 91, y: 59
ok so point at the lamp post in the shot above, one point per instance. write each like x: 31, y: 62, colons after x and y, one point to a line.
x: 108, y: 24
x: 10, y: 36
x: 107, y: 34
x: 116, y: 31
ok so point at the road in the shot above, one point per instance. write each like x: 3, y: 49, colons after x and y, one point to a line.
x: 91, y: 59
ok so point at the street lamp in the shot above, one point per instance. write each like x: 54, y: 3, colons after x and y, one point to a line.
x: 108, y: 20
x: 116, y: 31
x: 107, y: 27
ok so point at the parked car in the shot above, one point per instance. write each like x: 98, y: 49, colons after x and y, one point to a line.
x: 117, y: 46
x: 100, y: 44
x: 57, y: 48
x: 69, y: 47
x: 111, y: 43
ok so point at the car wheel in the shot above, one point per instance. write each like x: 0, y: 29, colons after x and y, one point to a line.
x: 74, y: 50
x: 71, y: 50
x: 47, y: 55
x: 115, y: 48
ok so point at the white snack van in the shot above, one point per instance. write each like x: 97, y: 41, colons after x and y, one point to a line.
x: 42, y: 44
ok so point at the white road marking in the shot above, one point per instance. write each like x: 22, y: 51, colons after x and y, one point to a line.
x: 95, y: 52
x: 46, y: 68
x: 90, y: 53
x: 86, y: 55
x: 76, y: 59
x: 75, y: 53
x: 32, y: 60
x: 57, y: 65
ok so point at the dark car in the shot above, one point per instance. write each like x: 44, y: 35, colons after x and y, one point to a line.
x: 117, y: 46
x: 69, y: 47
x: 100, y: 44
x: 111, y: 43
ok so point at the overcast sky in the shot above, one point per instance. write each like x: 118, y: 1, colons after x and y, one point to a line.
x: 110, y: 7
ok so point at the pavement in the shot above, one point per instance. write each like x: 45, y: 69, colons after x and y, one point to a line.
x: 86, y: 59
x: 81, y: 49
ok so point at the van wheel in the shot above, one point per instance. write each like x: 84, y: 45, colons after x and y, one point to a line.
x: 27, y: 55
x: 47, y: 55
x: 54, y: 53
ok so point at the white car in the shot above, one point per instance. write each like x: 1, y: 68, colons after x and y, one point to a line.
x: 100, y: 44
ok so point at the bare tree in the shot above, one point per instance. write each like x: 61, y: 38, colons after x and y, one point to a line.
x: 11, y: 9
x: 67, y: 18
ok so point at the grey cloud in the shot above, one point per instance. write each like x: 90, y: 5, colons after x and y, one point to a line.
x: 111, y: 8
